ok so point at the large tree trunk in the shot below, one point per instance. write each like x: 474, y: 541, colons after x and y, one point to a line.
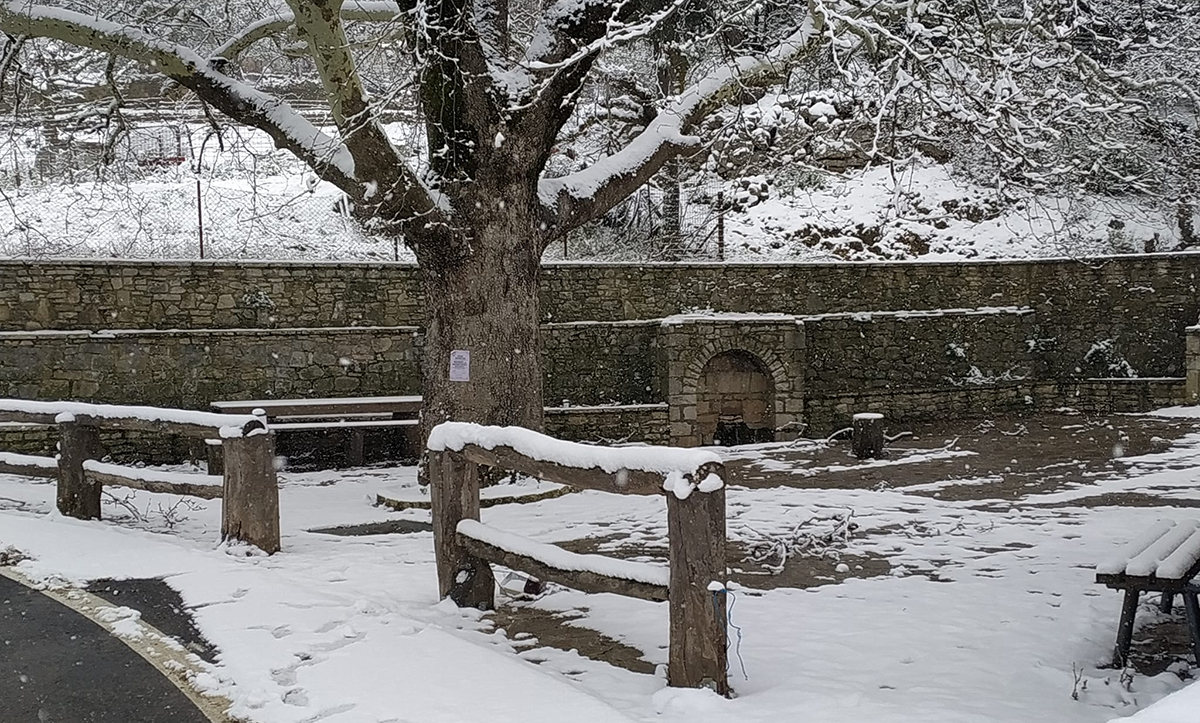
x: 485, y: 303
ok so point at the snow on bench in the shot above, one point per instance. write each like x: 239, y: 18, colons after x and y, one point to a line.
x: 551, y: 560
x: 227, y: 426
x: 1163, y: 559
x: 678, y: 467
x: 1168, y: 550
x: 344, y: 424
x: 208, y: 487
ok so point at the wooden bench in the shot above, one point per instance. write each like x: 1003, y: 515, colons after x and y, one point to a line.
x: 352, y: 416
x: 1164, y: 559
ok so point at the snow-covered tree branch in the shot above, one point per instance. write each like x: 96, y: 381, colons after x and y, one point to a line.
x: 361, y: 162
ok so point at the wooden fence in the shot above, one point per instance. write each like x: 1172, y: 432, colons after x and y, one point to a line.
x: 693, y: 586
x: 248, y: 489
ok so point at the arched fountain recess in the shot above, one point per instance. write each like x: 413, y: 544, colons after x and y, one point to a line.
x: 733, y: 378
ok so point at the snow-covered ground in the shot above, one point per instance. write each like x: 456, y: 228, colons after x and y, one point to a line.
x: 985, y: 611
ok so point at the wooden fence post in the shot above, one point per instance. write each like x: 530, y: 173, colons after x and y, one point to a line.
x: 696, y: 530
x: 250, y: 503
x: 214, y: 454
x: 454, y: 496
x: 77, y: 497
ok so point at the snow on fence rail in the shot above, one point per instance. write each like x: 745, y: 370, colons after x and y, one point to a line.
x: 692, y: 481
x: 28, y: 465
x: 209, y: 487
x: 114, y: 416
x: 249, y: 488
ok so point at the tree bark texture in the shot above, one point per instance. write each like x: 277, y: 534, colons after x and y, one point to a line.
x: 698, y: 654
x: 484, y: 303
x: 250, y: 499
x: 454, y: 494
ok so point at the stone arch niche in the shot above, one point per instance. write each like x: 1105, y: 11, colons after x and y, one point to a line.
x: 735, y: 400
x: 738, y: 376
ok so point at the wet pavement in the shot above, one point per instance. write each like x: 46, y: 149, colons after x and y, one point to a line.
x: 56, y: 666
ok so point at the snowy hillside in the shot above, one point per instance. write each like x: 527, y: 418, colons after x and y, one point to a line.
x: 248, y: 200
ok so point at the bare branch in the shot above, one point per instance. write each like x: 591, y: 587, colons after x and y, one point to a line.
x: 587, y: 194
x: 382, y: 11
x: 330, y: 158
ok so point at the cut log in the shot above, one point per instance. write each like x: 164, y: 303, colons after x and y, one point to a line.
x: 77, y: 496
x: 19, y: 417
x: 581, y: 580
x: 27, y: 465
x: 868, y: 435
x: 698, y: 656
x: 201, y: 490
x: 185, y: 429
x: 250, y: 509
x: 630, y: 482
x: 463, y: 577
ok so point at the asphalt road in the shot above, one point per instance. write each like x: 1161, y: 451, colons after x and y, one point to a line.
x: 57, y: 666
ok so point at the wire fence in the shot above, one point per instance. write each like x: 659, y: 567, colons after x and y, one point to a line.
x: 168, y: 187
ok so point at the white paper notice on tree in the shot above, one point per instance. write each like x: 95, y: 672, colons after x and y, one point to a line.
x: 460, y: 365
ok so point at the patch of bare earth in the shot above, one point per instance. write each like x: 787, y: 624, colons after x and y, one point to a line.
x: 1019, y: 456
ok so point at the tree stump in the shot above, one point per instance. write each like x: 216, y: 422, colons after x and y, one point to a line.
x: 868, y: 435
x: 77, y: 497
x: 250, y: 503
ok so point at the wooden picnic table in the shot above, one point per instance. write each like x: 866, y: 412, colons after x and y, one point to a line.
x: 351, y: 417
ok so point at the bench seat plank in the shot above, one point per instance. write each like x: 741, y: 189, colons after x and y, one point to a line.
x: 1116, y: 564
x: 345, y: 424
x: 1183, y: 560
x: 1147, y: 562
x: 331, y: 405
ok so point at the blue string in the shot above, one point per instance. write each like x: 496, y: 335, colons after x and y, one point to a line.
x: 737, y: 648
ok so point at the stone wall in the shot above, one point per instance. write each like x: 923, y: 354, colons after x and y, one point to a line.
x: 690, y: 343
x: 190, y: 369
x: 1041, y: 333
x: 587, y: 363
x: 879, y: 353
x: 1100, y: 317
x: 204, y: 295
x: 610, y: 424
x: 1192, y: 390
x: 1097, y: 396
x: 916, y: 365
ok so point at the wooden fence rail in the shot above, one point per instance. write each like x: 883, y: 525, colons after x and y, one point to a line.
x: 693, y: 585
x: 204, y: 486
x: 28, y: 465
x: 249, y: 489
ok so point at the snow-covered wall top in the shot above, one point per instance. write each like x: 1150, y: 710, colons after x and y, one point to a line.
x: 204, y: 294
